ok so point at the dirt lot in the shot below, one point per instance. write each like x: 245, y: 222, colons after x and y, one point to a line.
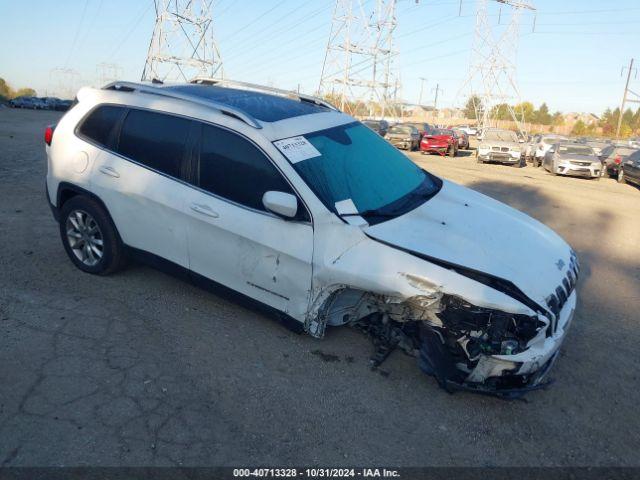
x: 144, y: 369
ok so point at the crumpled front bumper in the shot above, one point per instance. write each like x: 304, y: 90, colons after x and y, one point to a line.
x: 513, y: 375
x: 505, y: 376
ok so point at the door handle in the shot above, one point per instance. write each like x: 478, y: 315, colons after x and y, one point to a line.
x: 110, y: 171
x: 204, y: 210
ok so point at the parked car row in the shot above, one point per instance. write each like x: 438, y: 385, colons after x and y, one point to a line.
x: 41, y: 103
x: 590, y: 158
x: 423, y: 136
x: 557, y: 154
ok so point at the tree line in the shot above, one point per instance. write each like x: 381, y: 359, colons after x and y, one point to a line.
x: 7, y: 92
x: 605, y: 126
x: 524, y: 110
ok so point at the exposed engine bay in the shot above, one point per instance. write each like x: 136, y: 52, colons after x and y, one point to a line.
x: 454, y: 341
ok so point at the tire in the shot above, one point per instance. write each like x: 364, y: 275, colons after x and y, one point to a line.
x: 453, y: 152
x: 97, y: 247
x: 620, y: 177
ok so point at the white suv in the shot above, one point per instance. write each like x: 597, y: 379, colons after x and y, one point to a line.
x: 285, y: 200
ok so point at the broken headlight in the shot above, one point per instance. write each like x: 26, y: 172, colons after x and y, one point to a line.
x: 486, y: 331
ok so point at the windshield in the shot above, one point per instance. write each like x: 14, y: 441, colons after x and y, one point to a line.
x: 552, y: 140
x: 405, y: 130
x: 501, y: 136
x: 358, y: 165
x: 575, y: 150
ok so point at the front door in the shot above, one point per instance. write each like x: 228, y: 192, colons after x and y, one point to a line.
x: 232, y: 238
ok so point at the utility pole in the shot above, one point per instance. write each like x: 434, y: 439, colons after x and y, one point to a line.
x: 422, y: 80
x: 182, y: 45
x: 625, y: 99
x: 435, y: 101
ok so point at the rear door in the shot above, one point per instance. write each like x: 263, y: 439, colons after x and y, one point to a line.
x: 232, y: 238
x: 632, y: 167
x: 141, y: 182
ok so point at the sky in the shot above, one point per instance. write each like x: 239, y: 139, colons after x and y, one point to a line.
x: 573, y: 59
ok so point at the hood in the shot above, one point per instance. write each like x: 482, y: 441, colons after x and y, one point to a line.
x: 499, y: 143
x: 463, y: 227
x: 401, y: 135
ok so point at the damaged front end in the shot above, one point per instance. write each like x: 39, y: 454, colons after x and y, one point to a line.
x: 465, y: 347
x: 472, y: 347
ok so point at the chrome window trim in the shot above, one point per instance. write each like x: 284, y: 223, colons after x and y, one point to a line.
x: 82, y: 137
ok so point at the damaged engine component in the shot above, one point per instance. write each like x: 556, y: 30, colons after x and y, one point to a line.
x: 454, y: 340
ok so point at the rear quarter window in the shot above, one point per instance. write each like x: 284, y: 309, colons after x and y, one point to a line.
x: 99, y: 126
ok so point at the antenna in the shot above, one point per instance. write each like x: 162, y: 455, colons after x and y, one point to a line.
x: 492, y: 72
x: 182, y: 46
x: 357, y: 73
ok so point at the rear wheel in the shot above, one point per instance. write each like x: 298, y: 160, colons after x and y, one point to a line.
x: 621, y: 178
x: 89, y: 237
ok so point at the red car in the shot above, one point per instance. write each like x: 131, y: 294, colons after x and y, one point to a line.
x: 441, y: 141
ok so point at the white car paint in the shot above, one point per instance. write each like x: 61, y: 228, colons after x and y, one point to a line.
x: 301, y: 268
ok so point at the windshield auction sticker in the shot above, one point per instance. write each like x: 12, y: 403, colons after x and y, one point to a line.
x: 297, y: 149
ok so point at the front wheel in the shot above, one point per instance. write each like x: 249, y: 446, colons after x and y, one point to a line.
x: 90, y: 238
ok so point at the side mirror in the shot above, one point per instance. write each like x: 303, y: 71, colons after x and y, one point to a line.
x: 282, y: 204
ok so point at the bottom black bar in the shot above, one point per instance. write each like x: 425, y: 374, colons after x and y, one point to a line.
x: 406, y: 473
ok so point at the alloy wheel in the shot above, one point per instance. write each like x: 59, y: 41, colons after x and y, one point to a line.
x: 84, y: 237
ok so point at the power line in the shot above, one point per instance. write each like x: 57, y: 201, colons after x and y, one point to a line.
x: 75, y: 38
x: 255, y: 20
x: 134, y: 25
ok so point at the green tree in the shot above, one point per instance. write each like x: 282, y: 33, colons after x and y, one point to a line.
x: 501, y: 112
x: 542, y: 115
x: 526, y: 109
x: 25, y: 92
x: 558, y: 119
x: 580, y: 128
x: 5, y: 89
x: 473, y: 106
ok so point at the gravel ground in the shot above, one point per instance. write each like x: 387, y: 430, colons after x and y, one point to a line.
x: 143, y: 369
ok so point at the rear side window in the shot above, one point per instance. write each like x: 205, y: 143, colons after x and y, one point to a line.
x: 155, y: 140
x: 233, y: 168
x: 99, y: 126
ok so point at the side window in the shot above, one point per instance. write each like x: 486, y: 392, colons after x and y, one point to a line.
x: 233, y: 168
x: 99, y: 126
x: 155, y: 140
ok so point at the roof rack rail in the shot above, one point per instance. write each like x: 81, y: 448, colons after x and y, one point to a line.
x: 261, y: 88
x: 163, y: 92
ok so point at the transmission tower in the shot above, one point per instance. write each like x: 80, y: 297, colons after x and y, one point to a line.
x: 492, y: 72
x: 357, y: 73
x: 182, y: 46
x: 108, y: 72
x: 63, y: 82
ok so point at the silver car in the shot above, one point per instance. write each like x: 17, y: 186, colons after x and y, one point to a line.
x: 572, y: 159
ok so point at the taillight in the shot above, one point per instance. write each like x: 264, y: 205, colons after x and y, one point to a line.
x: 48, y: 134
x: 618, y: 160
